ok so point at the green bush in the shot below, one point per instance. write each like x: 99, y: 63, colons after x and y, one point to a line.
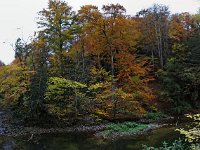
x: 181, y: 82
x: 176, y: 145
x: 155, y: 115
x: 192, y: 134
x: 192, y: 137
x: 60, y: 97
x: 126, y: 127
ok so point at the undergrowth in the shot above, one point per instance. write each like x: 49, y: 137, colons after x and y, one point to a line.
x: 124, y: 128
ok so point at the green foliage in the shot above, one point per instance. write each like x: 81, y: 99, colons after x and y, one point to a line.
x: 38, y: 62
x: 98, y: 63
x: 176, y: 145
x: 181, y: 83
x: 195, y: 146
x: 99, y: 91
x: 181, y: 74
x: 58, y: 22
x: 192, y: 134
x: 15, y: 82
x: 126, y: 103
x: 21, y: 51
x: 155, y: 115
x: 60, y: 95
x: 124, y: 128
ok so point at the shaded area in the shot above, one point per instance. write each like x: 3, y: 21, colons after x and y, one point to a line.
x: 88, y: 141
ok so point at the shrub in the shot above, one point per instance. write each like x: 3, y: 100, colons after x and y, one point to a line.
x: 193, y: 134
x: 176, y: 145
x: 124, y: 128
x: 14, y: 86
x: 60, y: 97
x: 155, y: 115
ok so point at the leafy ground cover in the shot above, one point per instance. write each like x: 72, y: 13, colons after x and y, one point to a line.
x: 116, y: 130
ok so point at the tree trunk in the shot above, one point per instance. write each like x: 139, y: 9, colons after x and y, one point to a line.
x: 113, y: 84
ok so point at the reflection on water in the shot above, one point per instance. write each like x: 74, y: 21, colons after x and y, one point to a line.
x: 88, y: 141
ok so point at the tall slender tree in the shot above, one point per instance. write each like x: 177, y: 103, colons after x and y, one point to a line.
x: 155, y: 29
x: 57, y: 24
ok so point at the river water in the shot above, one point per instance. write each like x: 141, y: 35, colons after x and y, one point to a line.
x: 88, y: 141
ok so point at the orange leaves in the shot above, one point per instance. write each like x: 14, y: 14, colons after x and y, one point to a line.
x: 181, y: 27
x: 133, y: 75
x: 119, y: 76
x: 129, y: 65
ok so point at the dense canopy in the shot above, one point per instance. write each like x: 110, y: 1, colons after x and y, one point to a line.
x: 104, y: 64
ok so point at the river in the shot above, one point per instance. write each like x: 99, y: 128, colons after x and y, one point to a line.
x: 88, y: 141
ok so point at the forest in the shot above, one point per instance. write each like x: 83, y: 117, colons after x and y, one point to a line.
x: 103, y: 64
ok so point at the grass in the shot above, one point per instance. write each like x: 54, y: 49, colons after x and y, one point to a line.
x: 124, y: 128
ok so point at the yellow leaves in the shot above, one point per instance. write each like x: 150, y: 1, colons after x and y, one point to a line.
x: 100, y: 73
x: 93, y: 70
x: 96, y: 86
x: 192, y: 134
x: 195, y: 117
x: 89, y: 13
x: 14, y: 82
x: 101, y: 113
x: 59, y: 112
x: 128, y: 32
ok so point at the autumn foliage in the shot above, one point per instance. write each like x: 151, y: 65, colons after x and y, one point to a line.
x: 94, y: 62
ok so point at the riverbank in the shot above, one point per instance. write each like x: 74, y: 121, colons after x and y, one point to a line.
x: 87, y: 141
x: 127, y: 129
x: 8, y: 127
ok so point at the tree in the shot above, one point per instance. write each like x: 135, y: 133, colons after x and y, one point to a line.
x: 1, y: 63
x: 192, y: 135
x: 14, y: 86
x: 106, y: 38
x: 60, y: 96
x: 22, y: 50
x: 40, y: 59
x: 88, y: 18
x: 57, y: 24
x: 155, y: 28
x: 111, y: 14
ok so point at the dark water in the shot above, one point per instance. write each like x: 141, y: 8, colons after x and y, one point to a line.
x: 88, y: 141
